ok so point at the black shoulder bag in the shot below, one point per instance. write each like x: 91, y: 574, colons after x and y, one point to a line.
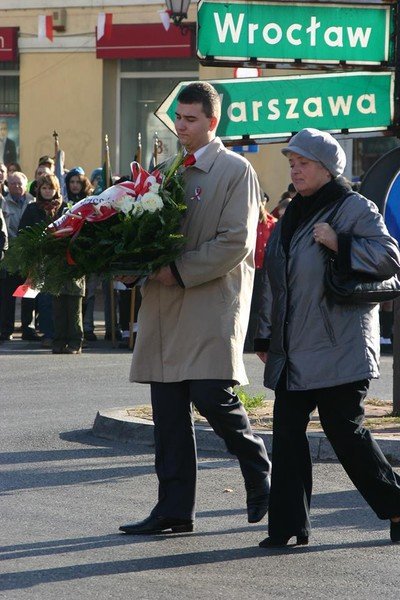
x: 356, y: 288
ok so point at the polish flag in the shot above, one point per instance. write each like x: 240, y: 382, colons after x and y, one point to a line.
x: 165, y: 16
x: 104, y: 25
x: 25, y: 291
x: 45, y: 27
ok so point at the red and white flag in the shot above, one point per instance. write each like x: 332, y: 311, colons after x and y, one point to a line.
x: 165, y: 16
x: 104, y: 25
x: 25, y: 291
x: 45, y: 27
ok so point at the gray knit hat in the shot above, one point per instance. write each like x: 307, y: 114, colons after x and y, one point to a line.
x: 319, y: 146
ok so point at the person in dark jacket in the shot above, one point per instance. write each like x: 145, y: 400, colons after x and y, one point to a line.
x: 319, y: 354
x: 13, y: 205
x: 48, y: 207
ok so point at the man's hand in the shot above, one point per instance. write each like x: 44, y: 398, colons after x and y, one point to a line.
x: 262, y: 356
x: 127, y: 279
x: 164, y: 276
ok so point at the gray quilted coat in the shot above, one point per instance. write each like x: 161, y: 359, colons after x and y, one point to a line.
x: 323, y: 344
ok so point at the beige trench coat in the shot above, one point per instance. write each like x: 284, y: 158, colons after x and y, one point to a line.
x: 197, y: 332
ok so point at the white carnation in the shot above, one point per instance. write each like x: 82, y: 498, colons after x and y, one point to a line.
x: 154, y: 187
x: 124, y: 204
x: 151, y: 202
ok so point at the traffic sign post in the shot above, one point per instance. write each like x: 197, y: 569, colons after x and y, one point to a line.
x: 253, y: 32
x: 272, y: 108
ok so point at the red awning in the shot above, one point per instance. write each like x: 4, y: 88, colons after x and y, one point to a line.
x: 146, y: 41
x: 8, y: 44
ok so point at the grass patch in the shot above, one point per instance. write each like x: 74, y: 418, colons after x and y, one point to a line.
x: 248, y: 401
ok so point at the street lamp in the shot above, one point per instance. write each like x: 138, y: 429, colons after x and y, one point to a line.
x: 177, y: 10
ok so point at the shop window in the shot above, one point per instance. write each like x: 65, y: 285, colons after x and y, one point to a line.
x: 140, y: 97
x: 9, y: 110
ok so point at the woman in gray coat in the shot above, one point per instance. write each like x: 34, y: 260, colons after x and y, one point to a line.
x: 319, y: 354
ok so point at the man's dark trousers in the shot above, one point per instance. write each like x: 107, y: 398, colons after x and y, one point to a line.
x: 175, y: 445
x: 8, y: 284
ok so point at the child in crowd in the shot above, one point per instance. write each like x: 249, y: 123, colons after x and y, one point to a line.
x: 67, y: 306
x: 48, y: 207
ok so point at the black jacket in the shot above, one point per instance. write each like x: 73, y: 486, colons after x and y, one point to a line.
x: 34, y: 214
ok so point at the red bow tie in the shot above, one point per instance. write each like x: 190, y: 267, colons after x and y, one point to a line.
x: 189, y: 160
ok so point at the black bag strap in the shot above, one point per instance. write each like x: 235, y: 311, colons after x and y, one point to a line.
x: 332, y: 255
x: 338, y: 205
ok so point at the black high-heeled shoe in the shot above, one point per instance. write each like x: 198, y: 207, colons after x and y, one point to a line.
x: 272, y: 542
x: 395, y: 532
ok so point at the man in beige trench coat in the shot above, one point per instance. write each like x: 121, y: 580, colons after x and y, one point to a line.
x: 193, y: 321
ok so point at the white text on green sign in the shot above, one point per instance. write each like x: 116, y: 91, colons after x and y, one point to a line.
x: 286, y: 32
x: 273, y: 107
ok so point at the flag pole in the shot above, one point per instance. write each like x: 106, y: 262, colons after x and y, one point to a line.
x: 139, y: 149
x: 133, y: 289
x: 107, y: 161
x: 56, y: 143
x: 107, y: 175
x: 155, y: 148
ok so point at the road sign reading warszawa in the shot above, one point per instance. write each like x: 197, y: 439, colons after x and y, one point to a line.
x: 275, y: 107
x: 279, y: 32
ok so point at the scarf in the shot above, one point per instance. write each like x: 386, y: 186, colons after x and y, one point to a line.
x: 302, y: 208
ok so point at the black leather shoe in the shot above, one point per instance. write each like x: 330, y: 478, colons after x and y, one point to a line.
x: 5, y: 337
x: 257, y: 500
x: 157, y: 525
x: 395, y: 532
x: 90, y: 336
x: 271, y: 542
x: 31, y: 336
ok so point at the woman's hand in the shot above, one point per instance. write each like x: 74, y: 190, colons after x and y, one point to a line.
x: 262, y: 356
x: 325, y: 235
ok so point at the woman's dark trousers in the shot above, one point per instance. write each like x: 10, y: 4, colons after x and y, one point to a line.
x: 341, y: 412
x: 175, y: 445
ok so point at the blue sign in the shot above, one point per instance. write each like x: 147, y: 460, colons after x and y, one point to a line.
x: 243, y: 149
x: 392, y: 208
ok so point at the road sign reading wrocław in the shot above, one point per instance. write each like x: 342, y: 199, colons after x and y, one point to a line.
x: 279, y: 32
x: 274, y: 107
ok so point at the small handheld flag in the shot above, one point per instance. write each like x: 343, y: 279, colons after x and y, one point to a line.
x: 25, y: 291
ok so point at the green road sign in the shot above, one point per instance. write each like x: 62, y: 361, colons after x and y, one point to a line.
x: 274, y: 107
x: 286, y: 32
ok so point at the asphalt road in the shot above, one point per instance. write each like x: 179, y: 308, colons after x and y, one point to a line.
x: 64, y: 493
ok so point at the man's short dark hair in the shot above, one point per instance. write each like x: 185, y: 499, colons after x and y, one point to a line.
x: 202, y: 92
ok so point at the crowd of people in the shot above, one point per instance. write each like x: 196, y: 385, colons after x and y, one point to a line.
x: 62, y: 323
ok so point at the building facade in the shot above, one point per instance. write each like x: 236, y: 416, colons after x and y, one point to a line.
x: 84, y: 88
